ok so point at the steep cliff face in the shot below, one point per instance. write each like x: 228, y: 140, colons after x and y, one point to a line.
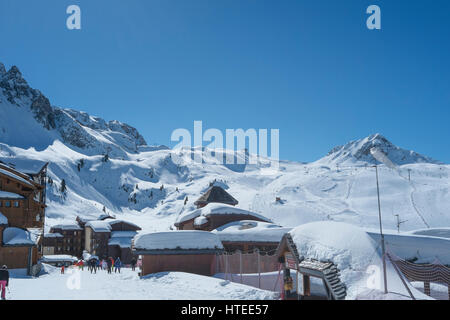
x: 29, y: 120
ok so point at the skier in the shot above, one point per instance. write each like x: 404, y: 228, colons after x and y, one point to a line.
x: 133, y: 264
x: 62, y: 269
x: 4, y: 281
x: 117, y: 265
x: 104, y: 264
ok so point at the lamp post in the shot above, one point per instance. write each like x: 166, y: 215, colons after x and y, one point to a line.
x: 383, y: 248
x: 383, y: 158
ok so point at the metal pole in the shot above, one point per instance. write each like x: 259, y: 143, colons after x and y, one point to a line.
x: 240, y: 264
x: 383, y: 249
x: 259, y: 268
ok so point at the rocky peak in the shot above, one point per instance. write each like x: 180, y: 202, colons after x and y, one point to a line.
x: 359, y: 150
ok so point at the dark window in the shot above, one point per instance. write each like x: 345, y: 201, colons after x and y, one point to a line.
x: 16, y: 204
x: 8, y: 204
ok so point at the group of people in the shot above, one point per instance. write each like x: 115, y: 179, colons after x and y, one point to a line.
x: 108, y: 264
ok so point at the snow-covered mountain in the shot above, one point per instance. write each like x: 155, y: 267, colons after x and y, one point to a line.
x: 359, y: 151
x: 149, y: 185
x: 27, y: 119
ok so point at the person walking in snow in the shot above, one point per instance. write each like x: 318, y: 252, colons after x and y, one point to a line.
x: 109, y: 263
x: 93, y: 265
x: 4, y: 281
x: 62, y: 269
x: 133, y: 264
x: 117, y: 265
x: 104, y: 265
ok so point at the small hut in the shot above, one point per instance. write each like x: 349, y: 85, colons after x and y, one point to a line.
x: 182, y: 251
x: 215, y: 194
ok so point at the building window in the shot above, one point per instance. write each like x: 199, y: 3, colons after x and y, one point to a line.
x: 16, y: 204
x: 8, y: 204
x: 0, y: 201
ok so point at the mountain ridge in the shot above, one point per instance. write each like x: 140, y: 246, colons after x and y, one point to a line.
x: 149, y: 185
x: 76, y: 128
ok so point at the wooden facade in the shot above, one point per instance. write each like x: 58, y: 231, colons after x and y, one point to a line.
x: 197, y: 263
x: 22, y: 202
x: 70, y: 243
x: 97, y: 240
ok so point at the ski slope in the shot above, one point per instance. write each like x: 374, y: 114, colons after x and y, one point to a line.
x: 82, y: 285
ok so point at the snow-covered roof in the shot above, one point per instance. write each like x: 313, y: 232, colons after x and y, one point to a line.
x: 15, y: 176
x: 3, y: 219
x: 58, y: 258
x: 122, y: 239
x: 106, y: 225
x: 99, y: 226
x: 10, y: 195
x: 113, y: 222
x: 67, y: 226
x: 18, y: 237
x: 217, y: 209
x: 251, y: 231
x: 123, y: 234
x: 181, y: 240
x: 122, y: 242
x: 53, y: 235
x: 351, y: 249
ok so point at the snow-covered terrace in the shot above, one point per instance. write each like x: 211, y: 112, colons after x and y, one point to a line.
x: 18, y: 237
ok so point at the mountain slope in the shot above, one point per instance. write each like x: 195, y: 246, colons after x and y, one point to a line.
x: 149, y: 185
x: 27, y: 119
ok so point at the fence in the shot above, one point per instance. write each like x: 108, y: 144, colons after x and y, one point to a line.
x: 435, y: 277
x: 255, y: 269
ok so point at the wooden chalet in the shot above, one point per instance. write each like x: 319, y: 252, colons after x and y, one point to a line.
x: 64, y: 239
x: 183, y: 251
x: 22, y: 213
x: 110, y: 238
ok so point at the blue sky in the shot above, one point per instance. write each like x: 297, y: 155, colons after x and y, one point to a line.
x: 309, y: 68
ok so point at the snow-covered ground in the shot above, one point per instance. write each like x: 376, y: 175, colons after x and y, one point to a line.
x: 82, y: 285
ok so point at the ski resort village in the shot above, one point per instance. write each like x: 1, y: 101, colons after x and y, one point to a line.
x: 89, y: 210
